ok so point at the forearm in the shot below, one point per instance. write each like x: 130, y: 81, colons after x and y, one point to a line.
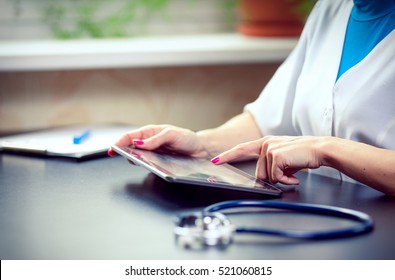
x: 239, y: 129
x: 365, y: 163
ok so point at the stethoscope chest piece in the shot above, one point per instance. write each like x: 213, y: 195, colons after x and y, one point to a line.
x: 198, y: 230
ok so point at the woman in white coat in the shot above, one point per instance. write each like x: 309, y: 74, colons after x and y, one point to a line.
x: 330, y: 107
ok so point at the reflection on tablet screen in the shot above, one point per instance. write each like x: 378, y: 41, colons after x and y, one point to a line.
x: 183, y: 169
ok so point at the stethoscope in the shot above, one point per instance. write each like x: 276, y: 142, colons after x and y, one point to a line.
x: 211, y: 227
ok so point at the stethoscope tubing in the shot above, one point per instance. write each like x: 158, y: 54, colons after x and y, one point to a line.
x: 365, y: 221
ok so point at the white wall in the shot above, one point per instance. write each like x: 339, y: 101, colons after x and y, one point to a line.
x: 194, y: 97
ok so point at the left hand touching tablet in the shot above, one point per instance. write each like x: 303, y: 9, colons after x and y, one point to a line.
x: 165, y: 138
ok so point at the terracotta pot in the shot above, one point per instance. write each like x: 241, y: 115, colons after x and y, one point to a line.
x: 275, y: 18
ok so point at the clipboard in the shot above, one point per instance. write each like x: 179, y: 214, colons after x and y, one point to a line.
x: 77, y: 141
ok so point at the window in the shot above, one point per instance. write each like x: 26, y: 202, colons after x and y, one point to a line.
x: 71, y: 19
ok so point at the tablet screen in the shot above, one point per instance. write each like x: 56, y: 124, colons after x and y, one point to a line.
x: 183, y: 169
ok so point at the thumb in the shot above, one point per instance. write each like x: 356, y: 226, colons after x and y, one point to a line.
x: 154, y: 142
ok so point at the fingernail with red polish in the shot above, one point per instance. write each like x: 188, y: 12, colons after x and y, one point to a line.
x: 215, y: 160
x: 138, y: 142
x: 111, y: 153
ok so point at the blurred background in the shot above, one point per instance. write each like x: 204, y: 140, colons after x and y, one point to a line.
x: 51, y: 76
x: 70, y: 19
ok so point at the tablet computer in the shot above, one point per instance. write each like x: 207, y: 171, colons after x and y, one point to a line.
x: 183, y: 169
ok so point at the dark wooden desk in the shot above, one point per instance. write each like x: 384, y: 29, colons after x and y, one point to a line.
x: 108, y: 209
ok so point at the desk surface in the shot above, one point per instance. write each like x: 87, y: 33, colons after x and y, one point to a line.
x: 108, y: 209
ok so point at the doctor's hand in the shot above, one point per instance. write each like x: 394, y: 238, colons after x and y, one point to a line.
x: 279, y: 157
x: 166, y: 138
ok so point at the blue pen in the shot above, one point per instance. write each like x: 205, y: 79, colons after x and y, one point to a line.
x: 78, y: 139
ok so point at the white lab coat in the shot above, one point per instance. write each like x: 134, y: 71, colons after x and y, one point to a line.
x: 304, y: 98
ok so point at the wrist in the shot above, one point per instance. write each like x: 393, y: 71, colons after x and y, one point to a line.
x: 208, y: 149
x: 329, y: 149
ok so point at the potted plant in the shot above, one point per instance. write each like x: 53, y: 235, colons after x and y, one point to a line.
x: 279, y: 18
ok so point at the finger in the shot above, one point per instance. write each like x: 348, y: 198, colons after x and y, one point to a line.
x: 281, y: 170
x: 111, y: 153
x: 276, y: 165
x: 287, y: 176
x: 269, y: 149
x: 266, y: 164
x: 289, y: 180
x: 139, y: 135
x: 162, y: 138
x: 247, y: 149
x: 260, y: 171
x: 127, y: 138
